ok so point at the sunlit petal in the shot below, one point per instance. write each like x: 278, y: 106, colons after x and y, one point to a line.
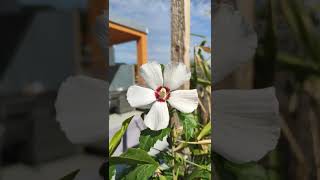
x: 158, y: 116
x: 175, y: 75
x: 140, y: 96
x: 152, y: 74
x: 184, y: 100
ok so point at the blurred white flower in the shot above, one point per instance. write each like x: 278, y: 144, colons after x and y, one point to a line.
x: 162, y: 89
x: 246, y: 123
x: 82, y: 108
x: 159, y: 146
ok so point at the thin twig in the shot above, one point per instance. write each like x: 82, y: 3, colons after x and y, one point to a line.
x: 180, y: 146
x: 206, y: 141
x: 315, y: 133
x: 296, y: 149
x: 205, y: 113
x: 199, y: 166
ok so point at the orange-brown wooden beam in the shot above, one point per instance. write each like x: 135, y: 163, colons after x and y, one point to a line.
x: 121, y: 34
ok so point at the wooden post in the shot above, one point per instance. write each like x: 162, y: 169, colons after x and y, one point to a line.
x: 141, y: 55
x: 142, y: 50
x: 242, y: 78
x: 180, y: 32
x: 77, y: 42
x: 99, y: 63
x: 180, y: 41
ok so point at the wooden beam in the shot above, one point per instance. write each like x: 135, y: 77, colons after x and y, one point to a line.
x: 121, y: 34
x: 126, y: 29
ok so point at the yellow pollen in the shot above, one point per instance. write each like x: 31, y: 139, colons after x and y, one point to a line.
x: 163, y: 93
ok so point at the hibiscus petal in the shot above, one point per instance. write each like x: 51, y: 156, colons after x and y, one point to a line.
x: 175, y: 75
x: 159, y: 146
x: 140, y: 96
x: 82, y: 107
x: 152, y: 74
x: 234, y: 42
x: 184, y: 100
x: 158, y: 116
x: 246, y: 123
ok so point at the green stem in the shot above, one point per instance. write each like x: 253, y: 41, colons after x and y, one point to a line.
x: 177, y: 174
x: 205, y: 70
x: 197, y: 165
x: 206, y: 141
x: 203, y: 82
x: 173, y: 141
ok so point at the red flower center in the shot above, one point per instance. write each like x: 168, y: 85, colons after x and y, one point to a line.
x: 162, y: 93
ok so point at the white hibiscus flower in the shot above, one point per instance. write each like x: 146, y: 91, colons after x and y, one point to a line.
x: 163, y: 89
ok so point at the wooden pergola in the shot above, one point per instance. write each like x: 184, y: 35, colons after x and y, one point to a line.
x: 120, y: 33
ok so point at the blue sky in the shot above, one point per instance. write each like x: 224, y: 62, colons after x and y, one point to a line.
x: 155, y: 14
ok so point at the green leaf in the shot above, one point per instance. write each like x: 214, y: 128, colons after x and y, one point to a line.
x: 168, y: 174
x: 198, y: 35
x: 133, y: 156
x: 206, y: 130
x: 251, y: 171
x: 112, y: 171
x: 123, y: 173
x: 164, y: 157
x: 203, y: 43
x: 148, y: 137
x: 274, y: 175
x: 71, y: 176
x: 298, y: 65
x: 189, y: 122
x: 200, y: 174
x: 162, y: 177
x: 142, y: 172
x: 202, y: 81
x: 115, y: 141
x: 247, y: 171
